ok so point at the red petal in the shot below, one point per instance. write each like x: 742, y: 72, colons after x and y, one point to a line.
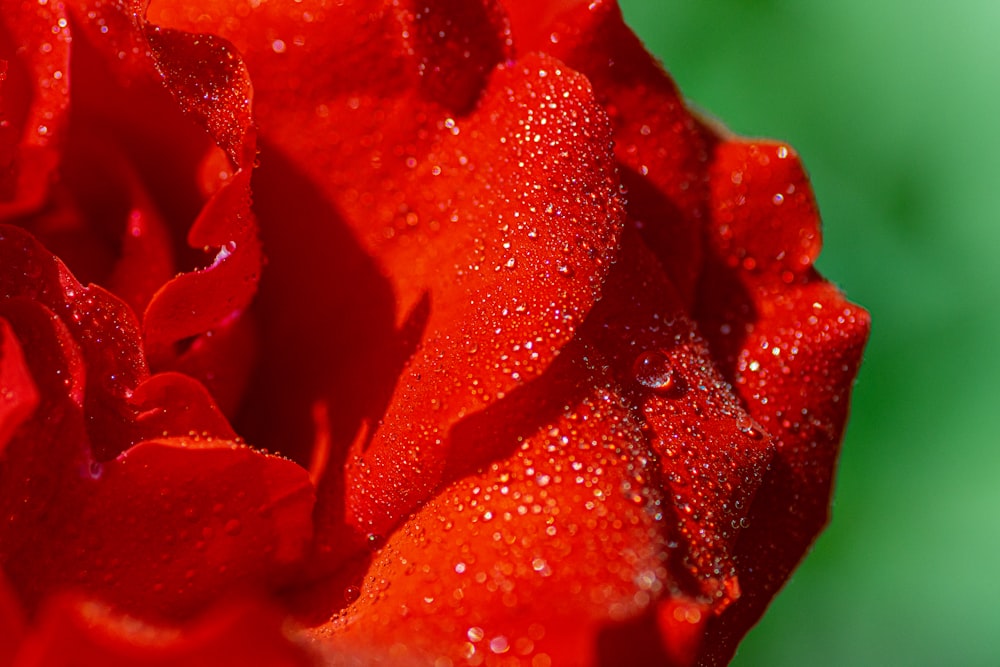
x: 12, y: 623
x: 104, y: 328
x: 795, y: 369
x: 34, y: 92
x: 219, y: 360
x: 419, y: 185
x: 454, y: 44
x: 712, y: 454
x: 536, y: 557
x: 112, y: 353
x: 166, y: 528
x: 663, y: 151
x: 18, y: 394
x: 73, y: 631
x: 174, y: 403
x: 791, y: 345
x: 113, y: 234
x: 208, y: 79
x: 514, y: 280
x: 764, y: 216
x: 351, y: 130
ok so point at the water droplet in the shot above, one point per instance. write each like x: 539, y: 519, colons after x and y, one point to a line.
x: 375, y: 541
x: 499, y: 644
x: 747, y: 425
x: 351, y: 593
x: 233, y: 527
x: 475, y: 634
x: 653, y: 369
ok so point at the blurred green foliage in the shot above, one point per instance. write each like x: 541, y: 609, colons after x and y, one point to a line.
x: 894, y: 107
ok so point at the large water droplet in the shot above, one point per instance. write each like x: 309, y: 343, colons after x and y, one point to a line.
x: 746, y: 424
x: 652, y: 369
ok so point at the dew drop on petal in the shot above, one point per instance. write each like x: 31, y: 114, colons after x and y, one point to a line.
x: 499, y: 644
x: 747, y: 425
x: 652, y: 369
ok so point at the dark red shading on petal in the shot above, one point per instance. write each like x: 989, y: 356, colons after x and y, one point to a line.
x: 18, y: 394
x: 516, y: 273
x: 454, y: 45
x: 104, y: 328
x: 219, y: 359
x: 662, y: 149
x: 145, y: 259
x: 12, y: 623
x: 166, y: 528
x: 51, y: 447
x: 34, y: 93
x: 72, y: 630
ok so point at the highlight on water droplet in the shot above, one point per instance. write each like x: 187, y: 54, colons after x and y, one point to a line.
x: 652, y: 369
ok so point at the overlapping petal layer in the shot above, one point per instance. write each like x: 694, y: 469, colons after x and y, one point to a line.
x: 568, y: 387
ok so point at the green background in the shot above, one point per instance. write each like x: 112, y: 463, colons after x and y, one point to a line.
x: 894, y: 108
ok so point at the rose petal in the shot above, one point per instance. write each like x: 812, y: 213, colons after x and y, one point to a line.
x: 663, y: 151
x: 76, y: 631
x: 764, y: 215
x: 176, y: 403
x: 712, y: 454
x: 34, y: 92
x: 219, y: 360
x: 165, y: 528
x: 791, y: 345
x: 455, y: 44
x: 12, y: 623
x: 794, y: 371
x: 536, y: 556
x: 225, y: 515
x: 316, y: 193
x: 510, y: 288
x: 104, y: 328
x: 137, y: 68
x: 112, y: 353
x: 436, y: 206
x: 18, y: 394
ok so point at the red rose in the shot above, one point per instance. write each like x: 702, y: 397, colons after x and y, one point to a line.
x: 550, y: 372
